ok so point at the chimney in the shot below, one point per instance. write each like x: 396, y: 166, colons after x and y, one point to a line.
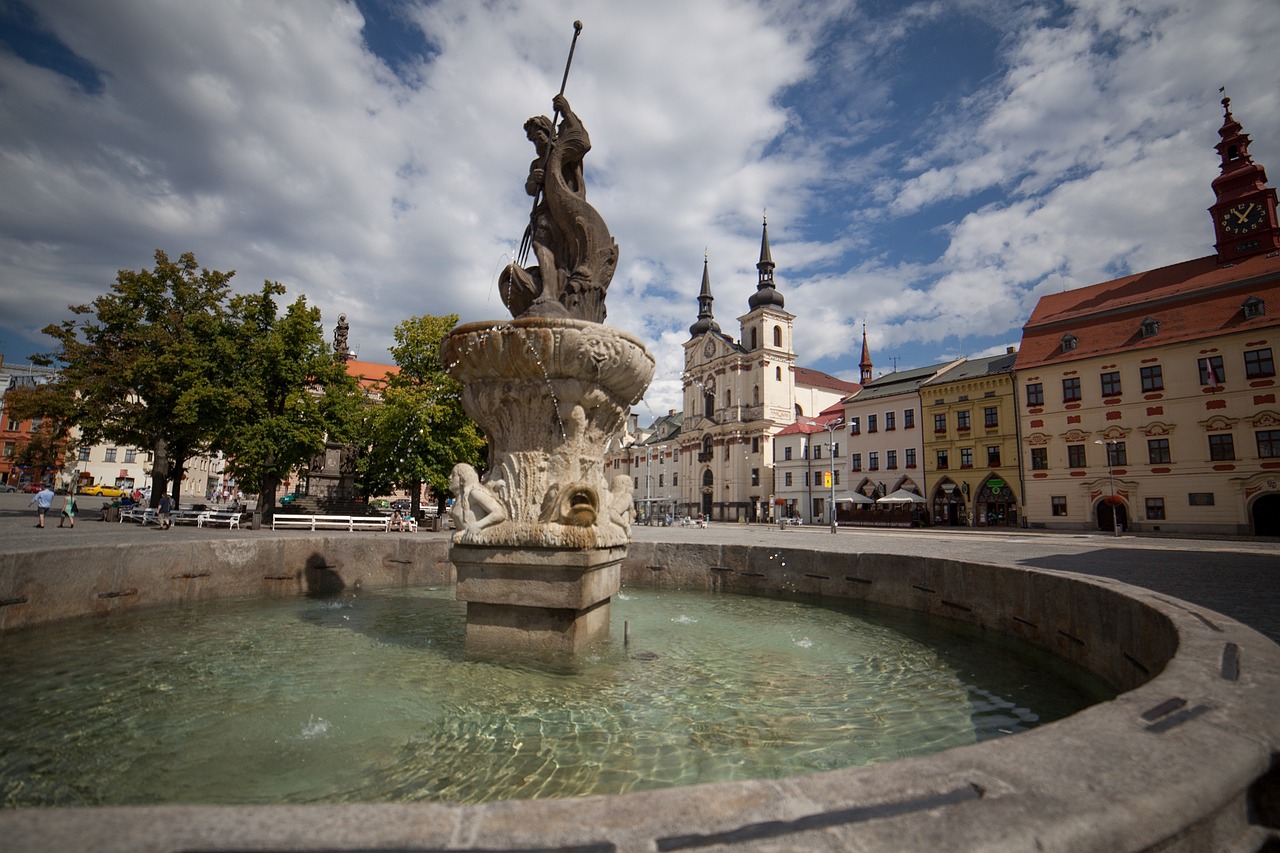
x: 671, y: 413
x: 1010, y: 350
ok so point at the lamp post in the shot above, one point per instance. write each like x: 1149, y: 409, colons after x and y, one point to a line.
x: 831, y: 426
x: 1109, y: 447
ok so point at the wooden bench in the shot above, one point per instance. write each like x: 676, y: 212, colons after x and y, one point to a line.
x: 229, y: 518
x: 331, y: 522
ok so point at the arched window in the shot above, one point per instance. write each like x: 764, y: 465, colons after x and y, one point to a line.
x: 754, y: 341
x: 709, y: 404
x: 728, y: 398
x: 706, y: 445
x: 777, y: 336
x: 777, y: 373
x: 755, y: 396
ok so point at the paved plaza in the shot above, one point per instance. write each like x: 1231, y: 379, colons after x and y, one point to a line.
x: 1235, y: 576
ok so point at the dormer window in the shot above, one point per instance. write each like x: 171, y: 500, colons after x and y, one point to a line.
x: 1150, y: 327
x: 1068, y: 342
x: 1253, y: 307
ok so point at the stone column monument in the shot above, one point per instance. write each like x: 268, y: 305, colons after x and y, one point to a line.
x: 541, y: 534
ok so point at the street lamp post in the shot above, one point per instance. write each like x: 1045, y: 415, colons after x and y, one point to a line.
x: 831, y: 427
x: 1109, y: 446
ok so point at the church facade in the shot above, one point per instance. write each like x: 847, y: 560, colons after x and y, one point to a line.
x: 738, y: 394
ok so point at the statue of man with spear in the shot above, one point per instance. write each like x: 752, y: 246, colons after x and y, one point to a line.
x: 576, y: 256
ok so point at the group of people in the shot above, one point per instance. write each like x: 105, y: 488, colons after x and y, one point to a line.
x: 43, y: 502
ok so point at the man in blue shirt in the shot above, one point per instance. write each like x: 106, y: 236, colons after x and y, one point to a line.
x: 43, y: 500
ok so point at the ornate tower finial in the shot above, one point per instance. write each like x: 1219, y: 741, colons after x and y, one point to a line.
x: 765, y: 293
x: 706, y: 322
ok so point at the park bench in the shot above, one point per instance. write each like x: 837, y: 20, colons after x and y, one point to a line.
x: 228, y: 517
x: 186, y: 516
x: 140, y: 514
x: 331, y: 522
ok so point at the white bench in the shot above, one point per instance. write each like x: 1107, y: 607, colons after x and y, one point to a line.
x: 229, y: 518
x: 186, y: 516
x: 142, y: 515
x: 331, y: 522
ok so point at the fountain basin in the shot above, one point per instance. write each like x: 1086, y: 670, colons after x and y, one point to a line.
x: 1185, y: 759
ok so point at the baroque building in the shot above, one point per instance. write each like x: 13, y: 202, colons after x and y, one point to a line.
x: 739, y: 394
x: 1149, y: 402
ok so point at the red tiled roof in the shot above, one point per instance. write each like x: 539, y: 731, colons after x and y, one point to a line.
x: 1190, y: 300
x: 818, y: 379
x: 370, y: 373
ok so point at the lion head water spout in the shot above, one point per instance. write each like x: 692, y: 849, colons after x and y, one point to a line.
x: 541, y: 534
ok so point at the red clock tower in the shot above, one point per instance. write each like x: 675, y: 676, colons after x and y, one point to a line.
x: 1244, y: 215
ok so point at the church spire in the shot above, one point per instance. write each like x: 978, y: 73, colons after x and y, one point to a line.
x: 765, y: 293
x: 706, y: 322
x: 865, y: 365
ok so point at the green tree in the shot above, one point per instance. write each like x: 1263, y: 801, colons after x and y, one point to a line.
x: 287, y: 394
x: 139, y: 369
x: 420, y: 431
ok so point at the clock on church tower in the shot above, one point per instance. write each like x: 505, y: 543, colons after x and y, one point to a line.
x: 1244, y: 215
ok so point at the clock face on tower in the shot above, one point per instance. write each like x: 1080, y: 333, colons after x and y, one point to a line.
x: 1244, y: 218
x: 710, y: 348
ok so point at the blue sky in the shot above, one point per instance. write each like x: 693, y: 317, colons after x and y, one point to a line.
x: 928, y: 168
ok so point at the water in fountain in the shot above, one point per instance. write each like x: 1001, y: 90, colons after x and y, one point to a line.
x: 373, y: 699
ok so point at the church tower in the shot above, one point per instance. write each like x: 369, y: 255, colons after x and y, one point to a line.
x: 1244, y: 215
x: 864, y: 366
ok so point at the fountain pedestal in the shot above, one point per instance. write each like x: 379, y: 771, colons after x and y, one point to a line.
x: 541, y: 601
x: 541, y: 535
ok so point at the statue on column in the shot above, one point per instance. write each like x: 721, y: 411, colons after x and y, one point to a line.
x: 576, y: 256
x: 341, y: 350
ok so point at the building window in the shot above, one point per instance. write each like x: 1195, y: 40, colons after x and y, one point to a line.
x: 1253, y: 307
x: 942, y: 460
x: 1071, y: 389
x: 660, y: 483
x: 786, y: 479
x: 993, y: 456
x: 1116, y: 453
x: 1158, y: 451
x: 1059, y: 505
x: 871, y: 423
x: 755, y: 444
x: 908, y: 418
x: 1211, y: 372
x: 1039, y: 459
x: 84, y: 454
x: 836, y: 474
x: 806, y: 478
x: 966, y: 457
x: 709, y: 405
x: 854, y: 426
x: 873, y: 461
x: 962, y: 420
x: 1068, y: 342
x: 1152, y: 378
x: 777, y: 374
x: 755, y: 476
x: 130, y: 456
x: 786, y: 454
x: 110, y: 455
x: 855, y: 461
x: 911, y: 457
x: 1111, y: 384
x: 635, y: 483
x: 1268, y: 443
x: 817, y: 451
x: 835, y: 450
x: 891, y: 459
x: 990, y: 417
x: 1155, y: 509
x: 675, y: 479
x: 1035, y: 394
x: 1222, y: 447
x: 1258, y: 363
x: 889, y: 418
x: 1150, y: 327
x: 14, y: 426
x: 10, y: 448
x: 1075, y: 456
x: 939, y: 423
x: 777, y: 336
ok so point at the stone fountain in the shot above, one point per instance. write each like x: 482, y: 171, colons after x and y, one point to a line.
x: 541, y: 535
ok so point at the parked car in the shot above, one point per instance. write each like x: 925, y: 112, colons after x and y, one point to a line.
x: 32, y: 488
x: 102, y: 490
x: 8, y: 487
x: 404, y: 505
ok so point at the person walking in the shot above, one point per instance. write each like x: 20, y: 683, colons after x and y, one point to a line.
x: 68, y: 510
x: 42, y: 500
x: 163, y: 510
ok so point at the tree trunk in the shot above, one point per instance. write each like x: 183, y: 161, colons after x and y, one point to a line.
x: 267, y: 497
x: 159, y: 472
x: 415, y: 497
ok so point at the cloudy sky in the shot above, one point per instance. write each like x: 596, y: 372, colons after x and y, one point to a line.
x: 928, y: 168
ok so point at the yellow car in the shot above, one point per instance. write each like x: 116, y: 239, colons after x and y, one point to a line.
x: 102, y: 490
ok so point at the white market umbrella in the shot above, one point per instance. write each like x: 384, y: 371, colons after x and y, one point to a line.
x: 901, y: 496
x: 853, y: 498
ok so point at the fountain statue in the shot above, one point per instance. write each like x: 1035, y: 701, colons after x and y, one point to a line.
x: 541, y: 535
